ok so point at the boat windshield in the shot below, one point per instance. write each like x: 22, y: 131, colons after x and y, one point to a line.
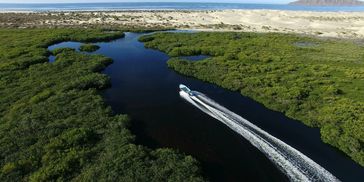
x: 185, y: 89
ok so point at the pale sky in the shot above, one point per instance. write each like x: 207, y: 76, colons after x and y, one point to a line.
x: 90, y: 1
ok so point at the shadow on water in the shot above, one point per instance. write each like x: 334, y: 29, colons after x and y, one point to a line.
x: 145, y: 89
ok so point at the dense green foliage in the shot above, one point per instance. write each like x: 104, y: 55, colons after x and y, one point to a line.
x: 54, y: 126
x: 89, y: 47
x: 320, y: 82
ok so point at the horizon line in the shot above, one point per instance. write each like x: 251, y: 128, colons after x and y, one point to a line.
x: 141, y: 2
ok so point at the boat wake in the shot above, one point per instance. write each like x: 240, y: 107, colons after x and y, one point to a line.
x: 295, y: 165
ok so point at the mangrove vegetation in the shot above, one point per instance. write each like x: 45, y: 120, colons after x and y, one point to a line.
x: 89, y: 47
x: 54, y: 125
x: 319, y: 82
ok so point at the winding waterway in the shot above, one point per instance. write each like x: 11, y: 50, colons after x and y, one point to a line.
x: 145, y: 89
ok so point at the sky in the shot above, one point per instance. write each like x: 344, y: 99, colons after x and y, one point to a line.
x: 90, y: 1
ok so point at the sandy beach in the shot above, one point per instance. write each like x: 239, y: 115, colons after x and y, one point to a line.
x: 323, y: 24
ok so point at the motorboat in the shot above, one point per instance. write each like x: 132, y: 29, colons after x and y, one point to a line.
x: 186, y: 90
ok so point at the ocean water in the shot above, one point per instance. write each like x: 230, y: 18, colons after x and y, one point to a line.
x: 165, y: 6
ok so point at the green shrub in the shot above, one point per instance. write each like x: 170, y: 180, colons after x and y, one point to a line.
x: 89, y: 47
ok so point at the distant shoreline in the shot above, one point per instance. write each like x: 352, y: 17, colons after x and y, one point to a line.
x: 121, y: 6
x: 321, y: 24
x: 159, y: 10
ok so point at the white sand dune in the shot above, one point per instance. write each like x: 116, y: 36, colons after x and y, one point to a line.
x: 326, y: 24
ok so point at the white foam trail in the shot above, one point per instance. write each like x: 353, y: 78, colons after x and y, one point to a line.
x: 290, y: 161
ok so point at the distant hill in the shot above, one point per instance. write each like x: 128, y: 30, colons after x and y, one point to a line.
x: 328, y: 3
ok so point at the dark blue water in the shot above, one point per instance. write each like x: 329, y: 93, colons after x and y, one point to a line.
x: 165, y: 5
x: 144, y: 88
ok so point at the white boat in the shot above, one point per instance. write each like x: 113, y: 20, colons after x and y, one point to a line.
x: 185, y: 89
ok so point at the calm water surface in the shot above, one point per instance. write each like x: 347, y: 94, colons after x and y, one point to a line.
x: 163, y: 6
x: 144, y: 88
